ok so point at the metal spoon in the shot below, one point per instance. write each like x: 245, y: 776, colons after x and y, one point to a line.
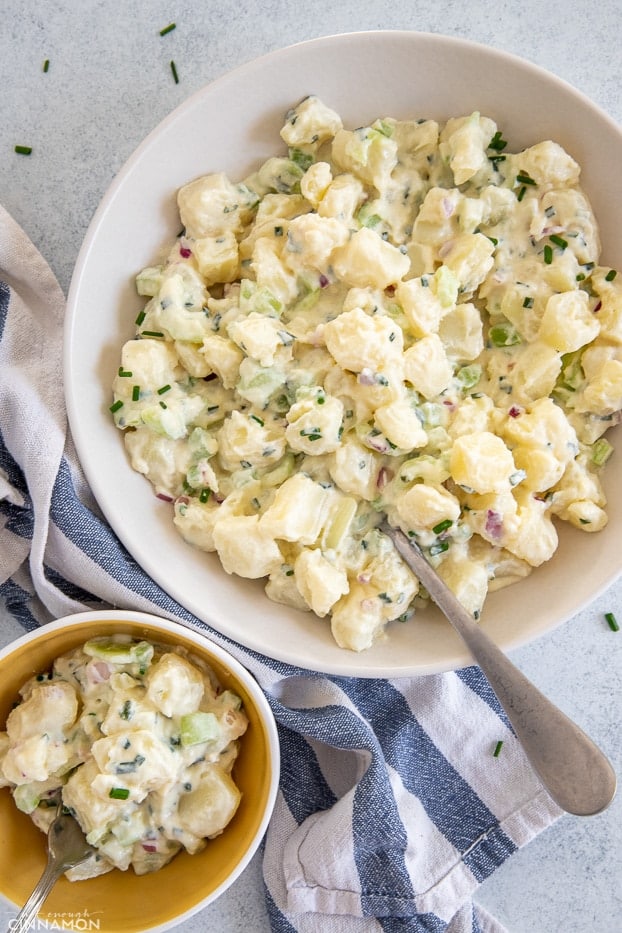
x: 574, y: 771
x: 67, y: 848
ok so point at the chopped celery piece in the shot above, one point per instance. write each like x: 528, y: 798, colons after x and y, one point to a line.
x: 199, y: 727
x: 447, y: 284
x: 26, y: 797
x: 469, y: 376
x: 601, y: 451
x: 340, y: 522
x: 504, y: 335
x: 229, y: 700
x: 301, y: 158
x: 120, y: 652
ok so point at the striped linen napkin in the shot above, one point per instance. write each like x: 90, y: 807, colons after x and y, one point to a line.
x: 392, y: 808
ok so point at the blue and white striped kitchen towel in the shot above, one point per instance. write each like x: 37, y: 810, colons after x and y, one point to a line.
x: 392, y: 809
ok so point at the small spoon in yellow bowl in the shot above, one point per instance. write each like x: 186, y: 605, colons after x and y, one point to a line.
x: 67, y: 847
x: 574, y: 771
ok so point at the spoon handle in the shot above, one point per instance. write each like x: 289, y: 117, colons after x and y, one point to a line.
x: 575, y: 772
x: 29, y: 911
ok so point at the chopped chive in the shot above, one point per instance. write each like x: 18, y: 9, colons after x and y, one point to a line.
x: 135, y: 393
x: 174, y: 72
x: 548, y: 255
x: 442, y: 526
x: 141, y: 317
x: 167, y: 29
x: 612, y: 622
x: 46, y: 65
x: 498, y: 748
x: 497, y: 142
x: 521, y: 194
x: 23, y: 150
x: 258, y: 420
x: 439, y: 548
x: 528, y: 303
x: 152, y: 333
x: 493, y: 240
x: 125, y: 372
x: 163, y: 405
x: 116, y: 406
x: 164, y: 389
x: 119, y: 793
x: 558, y: 240
x: 204, y: 495
x: 610, y: 275
x: 524, y: 178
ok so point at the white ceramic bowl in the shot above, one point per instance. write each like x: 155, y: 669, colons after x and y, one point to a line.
x: 232, y: 125
x: 122, y: 902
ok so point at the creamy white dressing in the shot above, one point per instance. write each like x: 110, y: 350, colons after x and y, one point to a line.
x: 410, y: 318
x: 137, y: 740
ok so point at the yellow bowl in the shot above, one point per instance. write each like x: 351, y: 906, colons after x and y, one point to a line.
x: 122, y: 902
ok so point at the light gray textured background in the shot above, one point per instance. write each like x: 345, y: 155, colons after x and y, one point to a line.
x: 108, y: 85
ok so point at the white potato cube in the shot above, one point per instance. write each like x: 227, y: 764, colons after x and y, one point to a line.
x: 311, y: 240
x: 423, y: 506
x: 461, y: 333
x: 399, y: 423
x: 311, y: 122
x: 320, y: 583
x: 367, y: 153
x: 481, y: 462
x: 94, y: 811
x: 568, y: 323
x: 152, y: 363
x: 212, y: 205
x: 315, y: 181
x: 421, y: 305
x: 463, y: 143
x: 354, y: 468
x: 342, y: 198
x: 535, y: 372
x: 315, y: 428
x: 211, y: 805
x: 467, y: 579
x: 242, y: 439
x: 224, y: 358
x: 358, y: 341
x: 473, y: 415
x: 271, y: 273
x: 368, y: 260
x: 217, y: 257
x: 469, y: 256
x: 426, y: 366
x: 533, y: 537
x: 542, y: 425
x: 548, y: 164
x: 50, y: 708
x: 298, y: 511
x: 174, y: 686
x: 258, y: 335
x: 162, y: 460
x: 357, y: 618
x: 245, y: 547
x: 603, y: 394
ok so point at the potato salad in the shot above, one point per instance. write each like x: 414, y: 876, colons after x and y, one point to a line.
x: 138, y: 741
x: 404, y: 319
